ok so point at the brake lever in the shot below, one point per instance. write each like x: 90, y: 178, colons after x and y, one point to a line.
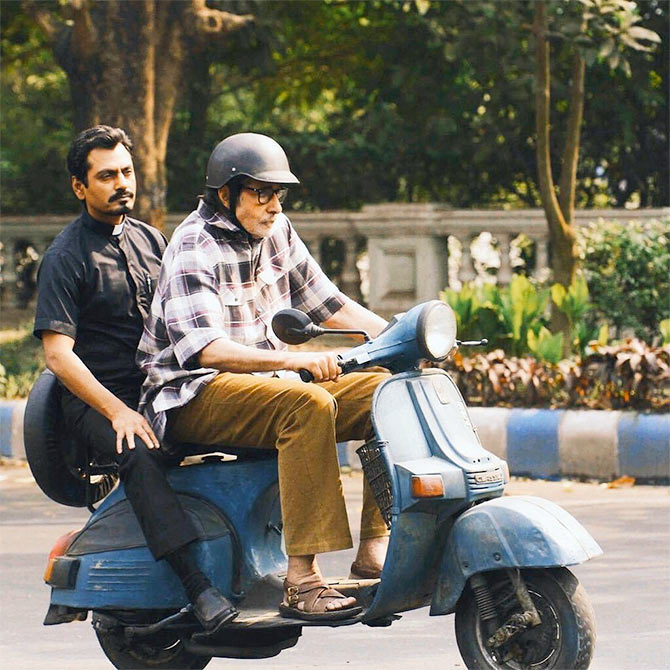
x: 472, y: 343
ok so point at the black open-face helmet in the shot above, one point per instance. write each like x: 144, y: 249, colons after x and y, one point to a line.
x: 250, y: 155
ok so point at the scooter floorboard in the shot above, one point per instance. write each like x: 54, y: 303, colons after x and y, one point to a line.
x: 260, y: 608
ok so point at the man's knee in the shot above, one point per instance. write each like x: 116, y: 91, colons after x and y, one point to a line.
x: 310, y: 399
x: 140, y: 458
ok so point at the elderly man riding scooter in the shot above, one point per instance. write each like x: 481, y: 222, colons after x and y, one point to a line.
x: 216, y: 373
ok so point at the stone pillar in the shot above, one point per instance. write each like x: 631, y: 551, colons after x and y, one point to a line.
x: 351, y: 279
x: 541, y: 255
x: 405, y: 271
x: 315, y: 248
x: 505, y: 271
x: 467, y: 271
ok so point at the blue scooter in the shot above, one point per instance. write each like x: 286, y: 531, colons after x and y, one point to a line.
x: 456, y: 545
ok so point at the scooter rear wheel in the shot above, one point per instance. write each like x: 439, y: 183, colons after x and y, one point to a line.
x: 563, y: 641
x: 161, y: 651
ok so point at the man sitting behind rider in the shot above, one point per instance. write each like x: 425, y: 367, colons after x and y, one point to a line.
x: 94, y: 289
x: 216, y: 373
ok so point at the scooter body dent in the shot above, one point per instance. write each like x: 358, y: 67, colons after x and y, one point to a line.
x: 509, y: 532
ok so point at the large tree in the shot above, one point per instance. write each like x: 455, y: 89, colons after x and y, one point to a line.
x: 601, y: 27
x: 126, y: 61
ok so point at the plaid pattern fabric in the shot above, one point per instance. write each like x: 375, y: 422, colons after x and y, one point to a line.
x: 216, y: 282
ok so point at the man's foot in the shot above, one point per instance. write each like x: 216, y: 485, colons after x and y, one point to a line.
x: 303, y: 571
x: 370, y: 558
x: 213, y: 610
x: 316, y: 601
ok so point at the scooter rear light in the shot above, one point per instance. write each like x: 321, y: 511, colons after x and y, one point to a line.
x: 427, y: 486
x: 59, y: 549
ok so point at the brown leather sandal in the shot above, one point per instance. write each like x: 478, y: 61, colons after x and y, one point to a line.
x: 360, y: 572
x: 314, y: 597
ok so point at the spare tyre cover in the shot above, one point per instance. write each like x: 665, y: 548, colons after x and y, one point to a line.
x: 46, y: 444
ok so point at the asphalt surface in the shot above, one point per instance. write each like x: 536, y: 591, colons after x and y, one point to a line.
x: 629, y: 587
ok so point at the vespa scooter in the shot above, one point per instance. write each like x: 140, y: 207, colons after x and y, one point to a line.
x: 456, y: 545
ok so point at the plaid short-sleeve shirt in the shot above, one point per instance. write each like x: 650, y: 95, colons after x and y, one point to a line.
x: 217, y: 282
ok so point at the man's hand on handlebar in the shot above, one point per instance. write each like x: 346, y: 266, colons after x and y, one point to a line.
x: 323, y: 366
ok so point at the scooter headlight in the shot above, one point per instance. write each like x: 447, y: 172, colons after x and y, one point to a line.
x: 436, y: 330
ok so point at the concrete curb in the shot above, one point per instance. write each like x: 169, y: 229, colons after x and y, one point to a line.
x: 547, y: 443
x: 11, y: 428
x: 540, y: 443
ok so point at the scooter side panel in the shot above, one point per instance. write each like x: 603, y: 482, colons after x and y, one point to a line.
x: 245, y: 492
x: 510, y: 532
x: 132, y: 579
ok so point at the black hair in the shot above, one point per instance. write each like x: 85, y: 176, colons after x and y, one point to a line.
x: 98, y: 137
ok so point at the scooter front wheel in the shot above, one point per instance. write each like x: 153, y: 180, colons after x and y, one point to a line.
x: 564, y: 640
x: 162, y: 651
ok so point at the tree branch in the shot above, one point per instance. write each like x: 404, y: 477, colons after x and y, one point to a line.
x: 568, y: 179
x: 209, y: 22
x: 44, y: 19
x: 85, y: 36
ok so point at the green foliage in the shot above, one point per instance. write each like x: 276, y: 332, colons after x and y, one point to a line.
x: 506, y: 316
x: 21, y: 361
x: 375, y: 101
x: 626, y: 267
x: 514, y: 317
x: 665, y: 331
x: 35, y: 120
x: 575, y: 304
x: 545, y: 346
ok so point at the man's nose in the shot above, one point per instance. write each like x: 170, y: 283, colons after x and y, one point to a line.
x: 122, y: 181
x: 274, y: 204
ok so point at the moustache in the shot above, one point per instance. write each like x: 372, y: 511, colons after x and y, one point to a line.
x: 120, y: 196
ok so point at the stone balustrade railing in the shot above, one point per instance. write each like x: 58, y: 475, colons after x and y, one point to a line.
x: 406, y: 246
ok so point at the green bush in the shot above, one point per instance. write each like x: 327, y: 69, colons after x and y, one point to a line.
x: 515, y: 318
x: 21, y: 361
x: 626, y: 266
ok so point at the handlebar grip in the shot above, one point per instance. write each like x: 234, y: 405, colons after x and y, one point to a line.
x: 306, y: 375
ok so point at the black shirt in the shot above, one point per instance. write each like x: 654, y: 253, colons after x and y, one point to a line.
x: 96, y: 287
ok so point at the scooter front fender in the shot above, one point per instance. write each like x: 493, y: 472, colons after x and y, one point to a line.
x: 508, y: 532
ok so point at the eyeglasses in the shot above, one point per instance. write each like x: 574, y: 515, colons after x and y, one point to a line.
x: 265, y: 194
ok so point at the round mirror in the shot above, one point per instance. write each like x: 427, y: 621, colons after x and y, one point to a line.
x: 292, y: 326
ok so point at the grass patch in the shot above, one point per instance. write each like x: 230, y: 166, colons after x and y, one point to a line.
x: 21, y: 361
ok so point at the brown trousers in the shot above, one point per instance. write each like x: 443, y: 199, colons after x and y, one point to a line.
x: 303, y: 422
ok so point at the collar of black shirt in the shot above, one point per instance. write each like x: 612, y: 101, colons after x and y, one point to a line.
x: 105, y: 229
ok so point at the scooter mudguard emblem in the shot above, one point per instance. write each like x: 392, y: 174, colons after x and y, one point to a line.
x: 508, y: 532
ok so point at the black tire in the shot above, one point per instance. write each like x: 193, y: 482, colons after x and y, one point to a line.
x: 564, y: 640
x: 160, y: 651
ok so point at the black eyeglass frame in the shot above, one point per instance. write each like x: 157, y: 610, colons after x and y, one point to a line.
x: 262, y: 193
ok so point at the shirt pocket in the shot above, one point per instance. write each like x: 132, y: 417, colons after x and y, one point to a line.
x: 230, y: 298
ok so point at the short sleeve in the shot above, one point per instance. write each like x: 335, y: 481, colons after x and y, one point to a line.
x: 59, y: 288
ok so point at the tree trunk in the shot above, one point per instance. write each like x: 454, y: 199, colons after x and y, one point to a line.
x: 559, y: 212
x: 125, y: 61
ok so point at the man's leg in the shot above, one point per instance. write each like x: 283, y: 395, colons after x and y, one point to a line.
x: 299, y: 420
x: 353, y: 393
x: 168, y: 530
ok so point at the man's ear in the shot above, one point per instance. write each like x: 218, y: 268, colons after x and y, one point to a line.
x: 79, y: 188
x: 224, y: 196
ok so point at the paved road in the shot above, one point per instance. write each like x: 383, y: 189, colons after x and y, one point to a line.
x: 629, y: 588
